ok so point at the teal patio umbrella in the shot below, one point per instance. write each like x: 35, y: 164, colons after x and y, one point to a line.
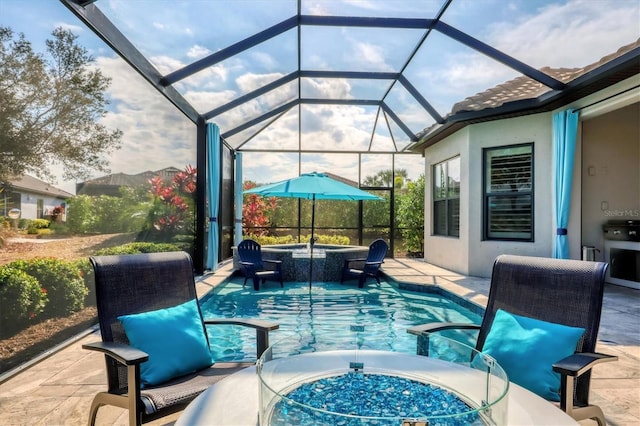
x: 312, y: 186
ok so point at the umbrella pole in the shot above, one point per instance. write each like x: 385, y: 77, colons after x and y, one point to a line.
x: 312, y: 242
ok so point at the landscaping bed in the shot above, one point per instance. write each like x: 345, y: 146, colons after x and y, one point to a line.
x: 40, y: 337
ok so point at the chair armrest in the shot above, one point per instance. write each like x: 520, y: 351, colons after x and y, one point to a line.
x: 276, y: 263
x: 577, y: 364
x: 373, y: 263
x: 246, y: 322
x: 440, y: 326
x: 124, y: 354
x: 244, y: 263
x: 262, y: 329
x: 348, y: 261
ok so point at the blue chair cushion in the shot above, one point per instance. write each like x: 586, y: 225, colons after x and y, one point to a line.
x: 526, y: 348
x: 174, y: 339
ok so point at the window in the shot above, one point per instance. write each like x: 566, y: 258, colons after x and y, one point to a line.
x: 508, y: 193
x: 446, y: 198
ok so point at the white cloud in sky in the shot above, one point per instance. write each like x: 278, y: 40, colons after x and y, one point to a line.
x: 368, y: 56
x: 76, y: 29
x: 569, y: 34
x: 155, y: 134
x: 198, y: 52
x: 573, y: 34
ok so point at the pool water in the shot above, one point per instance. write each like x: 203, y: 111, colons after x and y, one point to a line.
x: 330, y: 316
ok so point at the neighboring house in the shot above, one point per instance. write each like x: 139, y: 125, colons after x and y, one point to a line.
x: 34, y: 198
x: 490, y: 167
x: 111, y: 184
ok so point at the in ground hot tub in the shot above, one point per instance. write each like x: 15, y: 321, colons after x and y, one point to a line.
x: 328, y: 260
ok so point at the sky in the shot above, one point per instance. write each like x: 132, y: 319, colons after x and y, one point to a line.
x: 172, y: 34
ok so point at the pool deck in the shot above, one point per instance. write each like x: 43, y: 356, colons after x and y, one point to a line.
x: 58, y: 390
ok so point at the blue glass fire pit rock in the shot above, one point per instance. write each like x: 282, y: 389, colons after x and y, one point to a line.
x: 355, y: 395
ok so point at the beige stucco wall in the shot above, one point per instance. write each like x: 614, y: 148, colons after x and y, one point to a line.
x: 607, y: 135
x: 611, y: 172
x: 611, y: 134
x: 448, y: 252
x: 469, y: 254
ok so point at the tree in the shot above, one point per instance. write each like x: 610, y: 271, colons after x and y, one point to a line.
x: 410, y: 216
x: 384, y: 178
x: 50, y: 108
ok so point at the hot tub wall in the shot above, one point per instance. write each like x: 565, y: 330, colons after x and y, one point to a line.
x: 325, y: 269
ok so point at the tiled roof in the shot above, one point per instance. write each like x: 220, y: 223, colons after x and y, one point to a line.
x: 527, y: 88
x: 123, y: 179
x: 34, y: 185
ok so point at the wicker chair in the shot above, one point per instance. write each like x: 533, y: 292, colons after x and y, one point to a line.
x: 130, y: 284
x: 253, y: 265
x: 567, y: 292
x: 370, y: 266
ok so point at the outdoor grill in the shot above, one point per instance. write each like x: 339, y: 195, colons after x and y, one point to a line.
x: 622, y: 230
x: 622, y: 252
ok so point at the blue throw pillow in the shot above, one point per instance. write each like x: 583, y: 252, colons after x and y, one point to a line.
x: 526, y: 348
x: 174, y: 339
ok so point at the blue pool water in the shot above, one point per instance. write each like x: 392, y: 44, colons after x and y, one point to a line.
x: 324, y: 317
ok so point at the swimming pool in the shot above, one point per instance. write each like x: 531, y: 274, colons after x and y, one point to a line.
x: 330, y: 316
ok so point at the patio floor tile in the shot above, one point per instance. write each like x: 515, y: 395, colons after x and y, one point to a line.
x: 59, y: 390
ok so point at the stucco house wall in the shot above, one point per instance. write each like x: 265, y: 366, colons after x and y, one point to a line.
x: 469, y: 254
x: 612, y: 147
x: 448, y: 252
x: 24, y: 192
x: 29, y: 203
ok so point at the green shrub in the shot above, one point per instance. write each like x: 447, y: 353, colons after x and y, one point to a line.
x: 60, y: 228
x: 62, y: 281
x: 138, y: 247
x: 86, y: 271
x: 268, y: 240
x: 410, y: 216
x: 21, y: 298
x: 334, y: 240
x: 38, y: 224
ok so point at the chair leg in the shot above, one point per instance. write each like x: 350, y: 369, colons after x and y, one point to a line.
x: 93, y: 413
x: 256, y: 283
x: 361, y: 280
x: 245, y: 281
x: 105, y: 398
x: 592, y: 412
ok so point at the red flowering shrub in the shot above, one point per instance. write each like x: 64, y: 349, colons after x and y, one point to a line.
x: 255, y: 212
x: 173, y: 202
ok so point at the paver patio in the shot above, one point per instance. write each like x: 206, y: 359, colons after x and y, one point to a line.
x: 59, y: 389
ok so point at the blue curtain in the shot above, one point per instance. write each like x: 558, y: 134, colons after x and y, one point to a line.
x: 565, y: 129
x: 238, y: 200
x: 213, y: 193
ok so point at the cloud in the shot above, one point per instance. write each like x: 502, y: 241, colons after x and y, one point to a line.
x: 76, y: 29
x: 155, y: 133
x: 572, y: 34
x: 367, y: 56
x: 198, y: 52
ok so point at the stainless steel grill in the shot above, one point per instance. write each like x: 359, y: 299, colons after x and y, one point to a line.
x: 622, y: 230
